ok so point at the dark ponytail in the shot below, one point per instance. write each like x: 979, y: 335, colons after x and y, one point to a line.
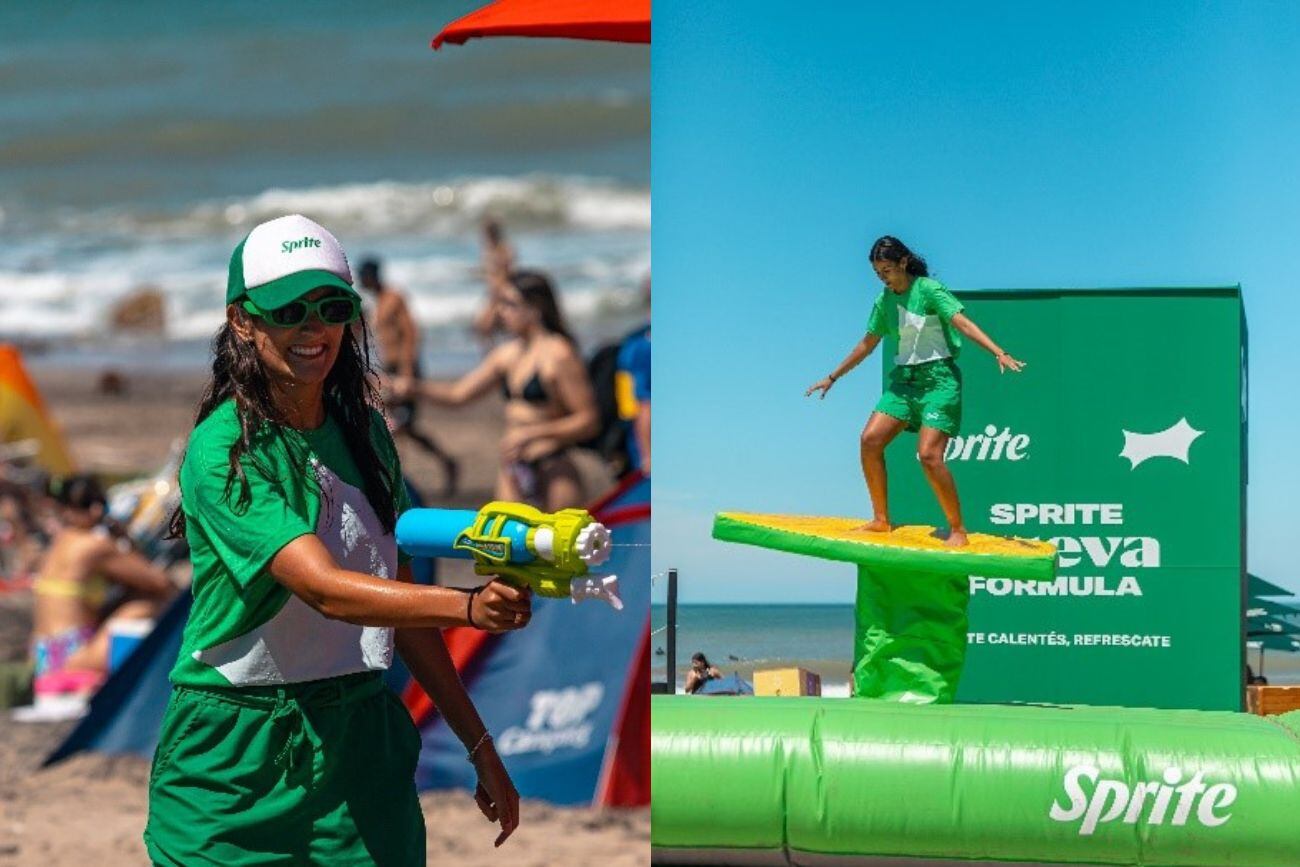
x: 538, y: 293
x: 890, y: 249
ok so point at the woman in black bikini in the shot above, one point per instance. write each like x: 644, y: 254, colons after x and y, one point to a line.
x: 549, y: 401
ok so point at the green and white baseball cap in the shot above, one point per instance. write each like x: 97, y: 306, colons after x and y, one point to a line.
x: 285, y: 258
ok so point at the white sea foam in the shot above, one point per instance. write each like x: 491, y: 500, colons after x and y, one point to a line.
x: 439, y: 209
x: 64, y: 271
x: 591, y: 236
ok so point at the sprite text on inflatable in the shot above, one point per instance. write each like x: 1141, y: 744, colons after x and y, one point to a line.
x: 1145, y: 803
x: 547, y: 551
x: 812, y: 780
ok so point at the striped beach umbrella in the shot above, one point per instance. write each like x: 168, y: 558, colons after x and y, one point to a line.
x: 1257, y: 586
x: 1258, y: 607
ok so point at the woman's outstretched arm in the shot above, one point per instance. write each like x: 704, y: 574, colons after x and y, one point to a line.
x: 963, y: 323
x: 133, y: 570
x: 306, y: 567
x: 864, y: 347
x: 469, y: 387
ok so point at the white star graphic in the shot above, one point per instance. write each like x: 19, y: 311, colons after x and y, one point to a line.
x: 1174, y: 442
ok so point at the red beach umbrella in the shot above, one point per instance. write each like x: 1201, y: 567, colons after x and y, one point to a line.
x: 604, y: 20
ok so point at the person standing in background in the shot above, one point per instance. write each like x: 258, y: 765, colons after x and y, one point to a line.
x: 399, y: 348
x: 549, y: 403
x: 498, y: 262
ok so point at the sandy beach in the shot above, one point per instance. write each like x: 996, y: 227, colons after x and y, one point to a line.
x: 93, y: 806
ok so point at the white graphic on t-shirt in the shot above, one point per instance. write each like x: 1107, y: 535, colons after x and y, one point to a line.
x: 350, y: 529
x: 920, y: 338
x: 299, y: 643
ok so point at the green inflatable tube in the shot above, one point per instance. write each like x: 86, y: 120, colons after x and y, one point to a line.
x: 802, y: 781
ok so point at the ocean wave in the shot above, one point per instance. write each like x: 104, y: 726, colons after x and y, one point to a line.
x: 62, y: 279
x: 439, y: 209
x: 77, y: 305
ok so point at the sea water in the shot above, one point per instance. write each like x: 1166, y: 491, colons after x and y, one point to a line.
x: 139, y: 142
x: 742, y: 638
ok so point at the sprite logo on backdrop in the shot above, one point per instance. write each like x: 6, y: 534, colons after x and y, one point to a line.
x: 994, y: 445
x: 1092, y: 553
x: 1132, y: 462
x: 991, y: 445
x: 1148, y: 802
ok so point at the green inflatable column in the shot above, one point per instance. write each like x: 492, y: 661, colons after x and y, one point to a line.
x: 909, y: 641
x: 910, y: 619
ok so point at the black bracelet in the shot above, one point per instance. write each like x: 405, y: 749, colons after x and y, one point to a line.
x: 832, y: 377
x: 469, y: 606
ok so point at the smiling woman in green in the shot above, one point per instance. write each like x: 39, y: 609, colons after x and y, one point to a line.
x: 924, y: 390
x: 281, y: 744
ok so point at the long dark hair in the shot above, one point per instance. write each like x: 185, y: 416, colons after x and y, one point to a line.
x: 538, y: 293
x: 890, y: 249
x: 238, y: 374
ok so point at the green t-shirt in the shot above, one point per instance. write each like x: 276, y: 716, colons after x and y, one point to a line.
x: 921, y: 319
x: 245, y: 628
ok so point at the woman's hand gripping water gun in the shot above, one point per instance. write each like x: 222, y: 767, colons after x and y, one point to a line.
x: 549, y: 552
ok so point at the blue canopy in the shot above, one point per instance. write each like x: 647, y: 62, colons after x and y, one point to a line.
x: 729, y: 685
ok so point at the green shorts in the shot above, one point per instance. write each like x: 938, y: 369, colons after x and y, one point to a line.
x: 311, y: 773
x: 925, y: 395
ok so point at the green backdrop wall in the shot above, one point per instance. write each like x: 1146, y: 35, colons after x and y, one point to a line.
x: 1087, y: 447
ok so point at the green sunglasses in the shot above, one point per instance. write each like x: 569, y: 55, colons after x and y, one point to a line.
x: 331, y: 310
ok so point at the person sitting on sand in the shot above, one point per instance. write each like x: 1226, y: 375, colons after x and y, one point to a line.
x: 69, y: 645
x: 550, y: 404
x: 399, y: 349
x: 701, y: 673
x: 924, y: 391
x: 281, y: 743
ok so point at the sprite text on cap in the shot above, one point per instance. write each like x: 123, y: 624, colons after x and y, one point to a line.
x: 290, y: 246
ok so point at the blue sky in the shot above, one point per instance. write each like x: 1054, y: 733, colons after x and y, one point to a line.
x: 1015, y: 146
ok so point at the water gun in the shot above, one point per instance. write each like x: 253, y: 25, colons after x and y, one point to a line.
x: 549, y: 552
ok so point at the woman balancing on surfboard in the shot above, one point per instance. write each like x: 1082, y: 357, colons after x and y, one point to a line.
x: 924, y: 391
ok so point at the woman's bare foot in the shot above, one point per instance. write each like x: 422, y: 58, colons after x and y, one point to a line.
x: 956, y: 539
x: 875, y: 525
